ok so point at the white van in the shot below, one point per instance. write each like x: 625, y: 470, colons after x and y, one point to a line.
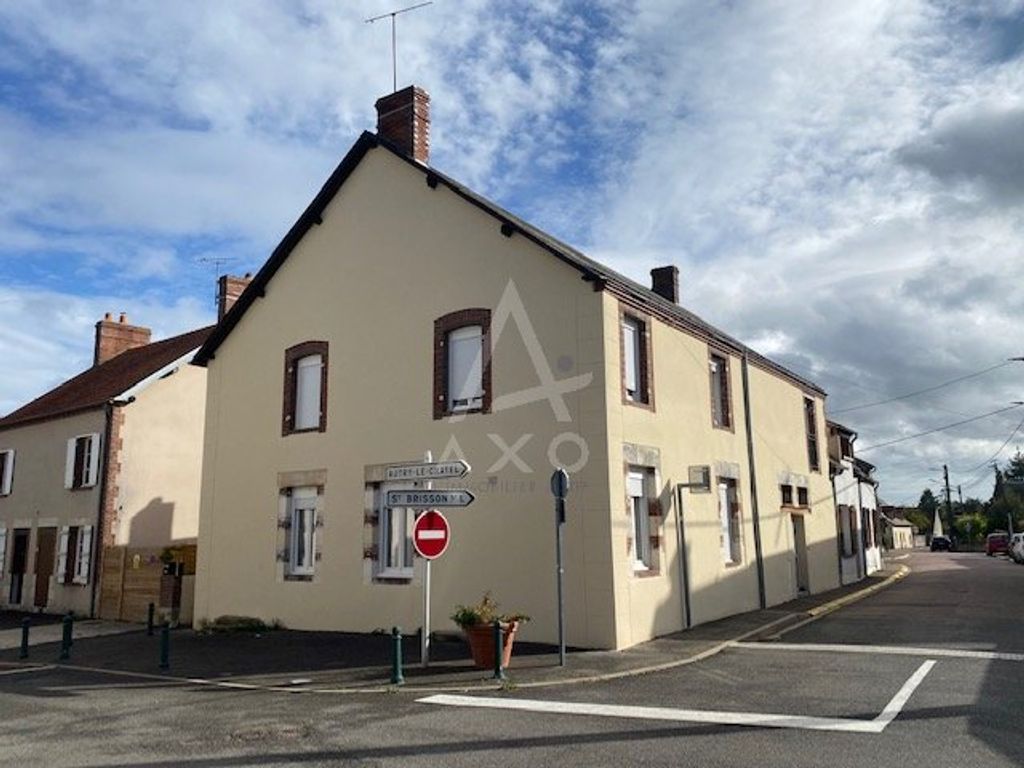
x: 1016, y: 548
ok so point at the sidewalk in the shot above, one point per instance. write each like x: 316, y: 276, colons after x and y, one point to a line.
x: 347, y: 662
x: 48, y: 629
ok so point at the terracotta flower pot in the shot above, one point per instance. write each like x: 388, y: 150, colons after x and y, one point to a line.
x: 481, y: 643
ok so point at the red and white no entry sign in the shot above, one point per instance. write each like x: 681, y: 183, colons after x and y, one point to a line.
x: 431, y: 534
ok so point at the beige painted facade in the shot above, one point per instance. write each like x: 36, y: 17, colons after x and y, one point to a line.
x: 154, y: 487
x: 161, y: 461
x: 392, y: 255
x: 39, y: 500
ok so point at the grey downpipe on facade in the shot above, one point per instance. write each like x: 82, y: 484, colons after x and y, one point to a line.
x: 755, y: 516
x: 839, y: 527
x: 862, y: 537
x: 684, y: 572
x: 97, y: 546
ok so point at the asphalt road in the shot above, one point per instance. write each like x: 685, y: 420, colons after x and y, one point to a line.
x: 962, y: 711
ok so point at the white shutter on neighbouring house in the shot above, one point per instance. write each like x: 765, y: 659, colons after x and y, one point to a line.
x: 62, y: 554
x: 7, y: 476
x: 92, y: 469
x: 69, y: 465
x: 84, y: 558
x: 3, y: 550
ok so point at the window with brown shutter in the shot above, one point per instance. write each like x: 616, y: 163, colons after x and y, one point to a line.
x: 304, y: 406
x: 811, y: 422
x: 635, y: 359
x: 462, y: 363
x: 721, y: 406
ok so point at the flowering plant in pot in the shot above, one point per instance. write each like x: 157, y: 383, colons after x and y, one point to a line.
x: 477, y: 622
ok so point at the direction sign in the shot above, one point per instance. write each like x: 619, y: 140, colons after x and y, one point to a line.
x: 437, y: 470
x: 425, y: 499
x: 431, y: 534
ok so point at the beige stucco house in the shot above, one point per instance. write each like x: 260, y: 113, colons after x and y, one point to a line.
x: 101, y: 478
x: 402, y: 314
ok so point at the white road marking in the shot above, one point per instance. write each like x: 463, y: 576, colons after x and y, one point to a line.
x: 714, y: 717
x: 892, y: 650
x: 22, y: 670
x: 897, y: 702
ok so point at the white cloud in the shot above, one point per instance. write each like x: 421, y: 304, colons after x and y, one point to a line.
x: 835, y: 181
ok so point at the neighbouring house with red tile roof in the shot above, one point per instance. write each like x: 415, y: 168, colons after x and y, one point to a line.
x: 100, y: 479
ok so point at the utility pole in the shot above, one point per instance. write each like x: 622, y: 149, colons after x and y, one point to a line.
x: 960, y: 496
x: 949, y: 501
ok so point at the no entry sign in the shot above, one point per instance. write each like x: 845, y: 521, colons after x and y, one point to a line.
x: 430, y: 534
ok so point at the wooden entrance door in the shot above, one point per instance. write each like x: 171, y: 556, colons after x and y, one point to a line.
x: 19, y: 564
x: 800, y: 545
x: 46, y: 548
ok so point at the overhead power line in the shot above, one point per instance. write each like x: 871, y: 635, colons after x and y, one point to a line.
x: 938, y: 429
x: 926, y: 389
x: 995, y: 455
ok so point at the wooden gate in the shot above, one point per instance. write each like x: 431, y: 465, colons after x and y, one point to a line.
x: 129, y: 583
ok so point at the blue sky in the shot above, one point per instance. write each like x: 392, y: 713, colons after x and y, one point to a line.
x: 841, y: 185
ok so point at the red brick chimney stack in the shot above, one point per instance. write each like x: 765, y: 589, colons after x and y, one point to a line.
x: 114, y: 337
x: 403, y: 119
x: 665, y: 282
x: 229, y: 288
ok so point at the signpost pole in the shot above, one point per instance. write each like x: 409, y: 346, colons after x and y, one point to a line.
x: 559, y: 489
x: 425, y: 635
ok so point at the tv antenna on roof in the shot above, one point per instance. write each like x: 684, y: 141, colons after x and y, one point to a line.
x: 393, y: 14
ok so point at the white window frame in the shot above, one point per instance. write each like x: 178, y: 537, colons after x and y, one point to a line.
x: 303, y: 505
x: 632, y: 338
x: 728, y: 516
x: 307, y: 414
x: 7, y: 476
x: 83, y: 557
x: 469, y: 398
x: 3, y: 552
x: 637, y: 490
x: 90, y: 465
x: 403, y: 568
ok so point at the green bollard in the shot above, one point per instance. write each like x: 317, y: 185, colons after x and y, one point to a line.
x: 499, y: 670
x: 165, y: 645
x: 25, y: 624
x: 65, y: 642
x: 396, y: 657
x: 149, y: 619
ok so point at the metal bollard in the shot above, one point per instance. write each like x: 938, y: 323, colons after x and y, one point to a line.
x: 25, y: 624
x: 149, y: 619
x: 65, y: 641
x: 499, y: 670
x: 396, y: 657
x: 165, y: 645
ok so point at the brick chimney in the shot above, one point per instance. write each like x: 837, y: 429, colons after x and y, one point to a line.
x: 229, y: 288
x: 403, y: 119
x: 114, y: 337
x: 665, y: 282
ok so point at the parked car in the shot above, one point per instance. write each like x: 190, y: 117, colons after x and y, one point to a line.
x: 997, y: 543
x: 941, y: 543
x: 1017, y: 547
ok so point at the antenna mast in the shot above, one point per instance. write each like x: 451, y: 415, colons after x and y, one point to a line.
x: 394, y: 58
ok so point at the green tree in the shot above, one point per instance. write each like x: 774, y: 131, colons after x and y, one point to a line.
x: 1007, y: 501
x: 928, y: 504
x: 971, y: 527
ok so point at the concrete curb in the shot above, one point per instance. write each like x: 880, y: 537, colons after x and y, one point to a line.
x: 820, y: 611
x: 811, y: 615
